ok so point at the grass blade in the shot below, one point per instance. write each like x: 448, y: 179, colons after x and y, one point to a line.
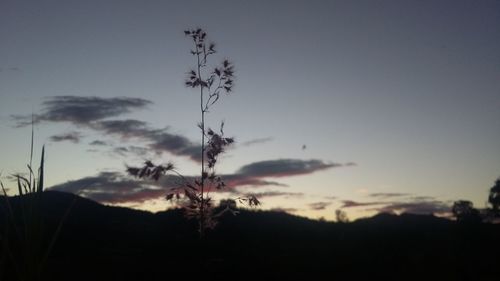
x: 40, y: 175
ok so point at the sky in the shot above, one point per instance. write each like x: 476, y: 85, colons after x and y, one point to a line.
x: 364, y: 106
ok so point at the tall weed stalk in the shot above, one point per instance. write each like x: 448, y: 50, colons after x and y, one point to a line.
x: 212, y: 83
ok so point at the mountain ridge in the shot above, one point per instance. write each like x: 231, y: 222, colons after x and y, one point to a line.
x: 121, y: 243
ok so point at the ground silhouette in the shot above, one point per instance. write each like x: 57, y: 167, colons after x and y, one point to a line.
x: 114, y: 243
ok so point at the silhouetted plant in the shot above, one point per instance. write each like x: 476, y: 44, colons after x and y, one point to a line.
x: 26, y: 243
x: 464, y: 211
x: 194, y: 195
x: 494, y: 197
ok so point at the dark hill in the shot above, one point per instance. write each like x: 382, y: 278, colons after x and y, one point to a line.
x: 113, y: 243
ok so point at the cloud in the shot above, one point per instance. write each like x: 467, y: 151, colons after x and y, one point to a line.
x: 317, y: 206
x: 236, y: 180
x: 73, y: 137
x: 276, y: 194
x: 284, y: 210
x: 131, y: 149
x: 124, y: 128
x: 112, y: 187
x: 10, y: 68
x: 98, y: 143
x: 388, y: 194
x: 417, y: 207
x: 93, y: 113
x: 121, y: 150
x: 354, y: 204
x: 257, y: 141
x: 285, y: 167
x: 254, y: 174
x: 414, y: 205
x: 422, y: 198
x: 159, y: 140
x: 81, y: 110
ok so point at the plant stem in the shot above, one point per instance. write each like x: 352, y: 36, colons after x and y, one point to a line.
x: 202, y: 208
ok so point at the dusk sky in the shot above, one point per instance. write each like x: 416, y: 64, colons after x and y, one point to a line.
x: 367, y: 106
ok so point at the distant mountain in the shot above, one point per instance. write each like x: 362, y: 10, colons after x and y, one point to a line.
x: 114, y: 243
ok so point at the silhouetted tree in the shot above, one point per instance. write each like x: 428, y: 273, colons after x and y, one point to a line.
x: 227, y: 203
x: 212, y: 83
x: 494, y: 197
x: 464, y: 211
x: 341, y: 216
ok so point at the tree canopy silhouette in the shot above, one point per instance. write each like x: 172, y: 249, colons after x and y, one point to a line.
x: 494, y: 197
x: 464, y: 211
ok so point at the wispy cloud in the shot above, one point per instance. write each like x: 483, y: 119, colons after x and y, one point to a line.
x: 257, y: 141
x: 113, y: 187
x: 98, y: 143
x: 131, y: 149
x: 318, y: 206
x: 256, y: 174
x: 414, y: 205
x: 159, y: 140
x: 266, y: 194
x: 355, y: 204
x: 417, y: 207
x: 285, y: 167
x: 285, y: 210
x: 81, y: 110
x: 385, y: 195
x: 94, y: 113
x: 10, y: 68
x: 73, y: 137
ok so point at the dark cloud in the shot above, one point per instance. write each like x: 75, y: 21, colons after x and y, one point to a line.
x: 235, y: 180
x: 254, y: 174
x: 159, y: 140
x: 137, y: 150
x: 414, y: 205
x: 285, y: 167
x: 11, y: 68
x: 422, y: 198
x: 91, y: 112
x: 98, y: 143
x: 123, y: 128
x: 317, y: 206
x: 276, y: 194
x: 354, y: 204
x: 112, y: 187
x: 417, y: 207
x: 388, y: 194
x: 122, y: 151
x: 117, y: 188
x: 73, y: 137
x: 81, y: 110
x: 132, y: 149
x: 257, y: 141
x: 285, y: 210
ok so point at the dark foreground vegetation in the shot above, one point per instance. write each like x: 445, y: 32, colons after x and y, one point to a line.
x: 110, y: 243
